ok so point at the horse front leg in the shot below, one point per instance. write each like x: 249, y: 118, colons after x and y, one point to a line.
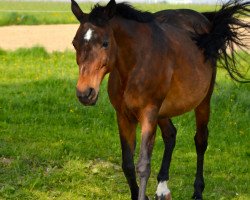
x: 169, y: 137
x: 127, y: 131
x: 148, y: 123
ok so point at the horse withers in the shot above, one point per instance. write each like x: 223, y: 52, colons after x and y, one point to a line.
x: 161, y: 65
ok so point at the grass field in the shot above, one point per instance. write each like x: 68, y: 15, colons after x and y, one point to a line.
x: 51, y: 147
x: 17, y: 13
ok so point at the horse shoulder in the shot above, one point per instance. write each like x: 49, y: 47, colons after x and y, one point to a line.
x: 115, y: 91
x: 148, y: 85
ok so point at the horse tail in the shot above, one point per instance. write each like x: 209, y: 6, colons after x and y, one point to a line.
x: 226, y: 31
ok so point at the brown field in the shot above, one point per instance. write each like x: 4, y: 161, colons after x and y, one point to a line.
x: 52, y: 37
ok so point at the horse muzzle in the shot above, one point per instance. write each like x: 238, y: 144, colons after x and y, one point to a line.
x: 88, y: 97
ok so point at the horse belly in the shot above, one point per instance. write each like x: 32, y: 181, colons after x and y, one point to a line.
x: 172, y: 108
x: 185, y: 95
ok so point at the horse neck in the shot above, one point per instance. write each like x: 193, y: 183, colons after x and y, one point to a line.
x: 124, y: 35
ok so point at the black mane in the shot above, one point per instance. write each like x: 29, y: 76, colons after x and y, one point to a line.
x: 99, y: 14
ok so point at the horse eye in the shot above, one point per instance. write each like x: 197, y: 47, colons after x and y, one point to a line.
x: 105, y: 44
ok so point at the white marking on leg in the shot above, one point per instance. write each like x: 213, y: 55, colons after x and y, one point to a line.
x: 162, y: 189
x: 88, y: 34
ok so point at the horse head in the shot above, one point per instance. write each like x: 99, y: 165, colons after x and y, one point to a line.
x: 95, y: 49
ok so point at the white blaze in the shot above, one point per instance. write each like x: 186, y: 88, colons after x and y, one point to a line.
x: 88, y: 34
x: 162, y: 189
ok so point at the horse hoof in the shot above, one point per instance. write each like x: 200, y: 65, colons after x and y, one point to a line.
x: 196, y: 197
x: 163, y: 197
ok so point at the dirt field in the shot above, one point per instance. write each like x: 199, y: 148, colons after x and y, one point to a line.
x: 52, y: 37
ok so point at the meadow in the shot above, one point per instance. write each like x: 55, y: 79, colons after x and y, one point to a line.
x: 51, y: 147
x: 33, y: 13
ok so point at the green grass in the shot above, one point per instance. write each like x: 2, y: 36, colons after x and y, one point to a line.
x: 51, y: 147
x: 22, y: 13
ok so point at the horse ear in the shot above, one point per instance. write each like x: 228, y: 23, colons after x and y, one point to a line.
x: 78, y: 12
x: 110, y: 9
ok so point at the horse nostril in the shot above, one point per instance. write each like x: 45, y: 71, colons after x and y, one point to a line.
x: 87, y: 94
x: 91, y: 93
x: 87, y: 97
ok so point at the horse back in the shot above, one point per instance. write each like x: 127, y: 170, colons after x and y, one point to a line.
x: 185, y: 19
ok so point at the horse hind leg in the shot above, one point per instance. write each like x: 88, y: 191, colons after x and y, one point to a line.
x: 169, y: 137
x: 202, y: 118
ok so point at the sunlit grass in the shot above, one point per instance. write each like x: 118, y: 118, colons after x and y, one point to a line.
x: 51, y: 147
x: 31, y: 13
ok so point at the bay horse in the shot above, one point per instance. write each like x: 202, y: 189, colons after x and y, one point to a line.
x: 160, y: 65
